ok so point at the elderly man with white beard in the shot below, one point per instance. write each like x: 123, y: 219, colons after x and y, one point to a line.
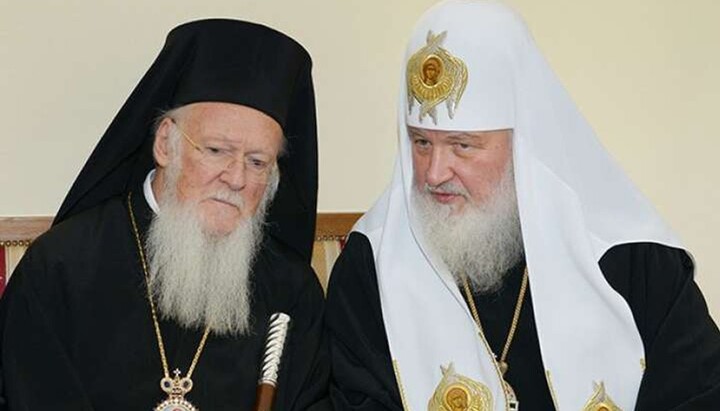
x: 186, y: 232
x: 510, y: 264
x: 202, y: 243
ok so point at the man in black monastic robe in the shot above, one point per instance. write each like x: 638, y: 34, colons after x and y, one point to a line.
x: 190, y: 225
x: 510, y: 263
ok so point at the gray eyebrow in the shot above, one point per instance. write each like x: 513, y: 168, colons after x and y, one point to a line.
x: 463, y: 136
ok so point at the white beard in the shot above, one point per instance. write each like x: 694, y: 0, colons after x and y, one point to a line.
x: 200, y: 279
x: 483, y: 242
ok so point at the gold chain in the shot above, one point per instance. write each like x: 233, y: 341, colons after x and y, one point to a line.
x: 161, y: 345
x: 513, y: 325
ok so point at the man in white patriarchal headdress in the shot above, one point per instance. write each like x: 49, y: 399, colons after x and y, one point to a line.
x: 510, y: 263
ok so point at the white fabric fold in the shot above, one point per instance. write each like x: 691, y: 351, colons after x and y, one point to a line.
x: 149, y: 193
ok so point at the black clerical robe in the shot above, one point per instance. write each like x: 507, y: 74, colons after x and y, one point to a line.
x: 76, y: 331
x: 681, y: 341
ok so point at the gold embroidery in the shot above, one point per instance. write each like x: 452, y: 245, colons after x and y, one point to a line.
x: 552, y: 389
x: 600, y: 400
x: 459, y: 393
x: 433, y: 76
x: 396, y: 368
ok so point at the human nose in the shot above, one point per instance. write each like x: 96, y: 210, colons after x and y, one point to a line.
x: 234, y: 175
x: 439, y: 169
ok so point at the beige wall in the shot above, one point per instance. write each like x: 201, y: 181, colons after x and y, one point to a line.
x: 644, y: 72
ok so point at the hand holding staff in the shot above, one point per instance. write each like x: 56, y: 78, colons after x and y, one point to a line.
x: 277, y: 333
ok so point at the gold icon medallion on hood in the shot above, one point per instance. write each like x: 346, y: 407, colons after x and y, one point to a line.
x: 433, y: 76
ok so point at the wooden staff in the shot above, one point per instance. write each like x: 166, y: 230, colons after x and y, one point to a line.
x: 277, y: 333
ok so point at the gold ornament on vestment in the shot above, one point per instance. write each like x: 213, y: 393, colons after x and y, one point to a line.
x: 459, y: 393
x: 600, y: 400
x: 433, y: 76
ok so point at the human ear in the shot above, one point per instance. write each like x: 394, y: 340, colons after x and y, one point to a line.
x: 161, y: 144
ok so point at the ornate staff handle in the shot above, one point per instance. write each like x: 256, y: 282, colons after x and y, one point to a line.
x: 277, y: 334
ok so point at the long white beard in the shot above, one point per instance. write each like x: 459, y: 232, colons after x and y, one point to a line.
x: 482, y: 242
x: 200, y: 279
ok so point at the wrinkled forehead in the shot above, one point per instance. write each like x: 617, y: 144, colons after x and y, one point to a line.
x: 475, y: 47
x: 231, y: 125
x: 228, y: 113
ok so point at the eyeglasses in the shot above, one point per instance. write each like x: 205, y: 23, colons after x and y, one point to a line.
x: 257, y: 167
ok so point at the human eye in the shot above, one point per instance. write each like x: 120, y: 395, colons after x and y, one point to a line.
x: 463, y: 148
x: 218, y: 152
x: 257, y: 163
x: 213, y: 150
x: 421, y: 143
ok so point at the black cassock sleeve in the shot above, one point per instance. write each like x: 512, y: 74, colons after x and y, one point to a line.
x: 682, y: 343
x: 36, y: 372
x: 307, y: 362
x: 362, y: 373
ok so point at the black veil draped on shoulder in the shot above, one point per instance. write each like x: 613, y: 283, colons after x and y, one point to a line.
x: 222, y: 61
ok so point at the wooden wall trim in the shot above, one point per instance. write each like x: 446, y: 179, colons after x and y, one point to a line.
x: 22, y: 230
x: 334, y: 226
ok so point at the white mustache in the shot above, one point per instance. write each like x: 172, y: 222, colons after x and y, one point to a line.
x: 230, y: 198
x: 446, y: 188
